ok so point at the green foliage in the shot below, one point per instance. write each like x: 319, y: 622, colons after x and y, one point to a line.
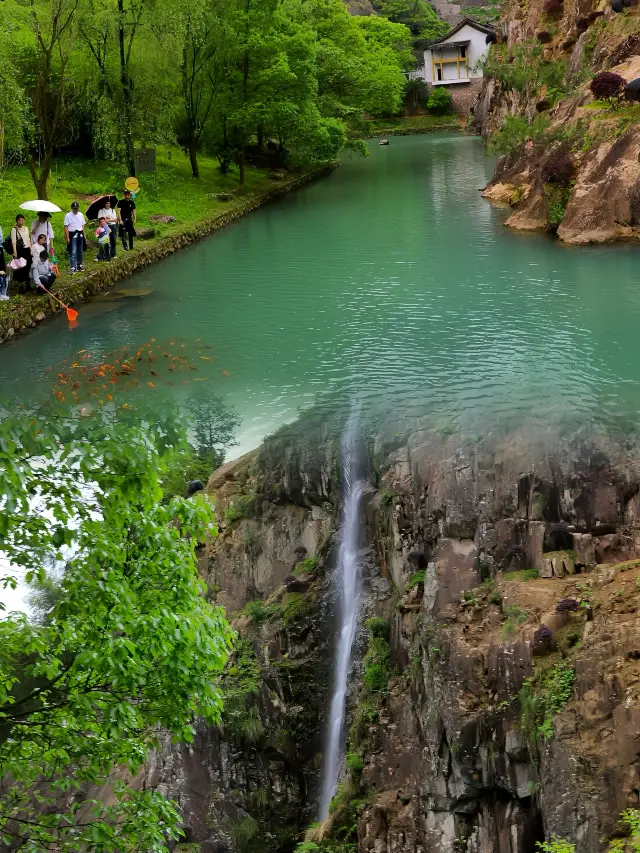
x: 557, y: 197
x: 416, y: 579
x: 526, y: 70
x: 241, y: 689
x: 128, y: 642
x: 365, y: 717
x: 545, y: 695
x: 631, y: 818
x: 556, y: 845
x: 307, y: 847
x: 376, y: 665
x: 239, y: 508
x: 417, y: 15
x: 345, y: 808
x: 514, y: 132
x: 221, y: 77
x: 524, y: 575
x: 378, y: 627
x: 440, y: 101
x: 259, y: 611
x: 306, y: 567
x: 387, y: 498
x: 514, y: 617
x: 355, y: 764
x: 244, y: 834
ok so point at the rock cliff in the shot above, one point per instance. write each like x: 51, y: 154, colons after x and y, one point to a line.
x: 571, y: 163
x: 496, y: 683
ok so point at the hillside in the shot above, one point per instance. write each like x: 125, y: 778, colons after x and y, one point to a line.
x: 570, y: 162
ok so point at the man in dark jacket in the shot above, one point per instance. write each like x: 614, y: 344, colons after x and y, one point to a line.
x: 126, y: 212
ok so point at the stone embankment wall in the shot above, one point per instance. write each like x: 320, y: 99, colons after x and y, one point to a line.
x: 27, y: 311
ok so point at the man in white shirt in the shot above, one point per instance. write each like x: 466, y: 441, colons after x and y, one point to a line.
x: 41, y: 225
x: 110, y: 215
x: 74, y: 222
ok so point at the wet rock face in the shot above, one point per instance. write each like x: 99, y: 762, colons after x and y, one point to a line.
x: 454, y: 758
x: 455, y: 768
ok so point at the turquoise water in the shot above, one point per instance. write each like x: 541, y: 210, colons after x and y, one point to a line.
x: 392, y: 279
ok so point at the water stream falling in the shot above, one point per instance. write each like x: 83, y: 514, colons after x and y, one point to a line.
x: 349, y: 583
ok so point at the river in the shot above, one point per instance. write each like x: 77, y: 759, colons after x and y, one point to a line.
x: 392, y: 279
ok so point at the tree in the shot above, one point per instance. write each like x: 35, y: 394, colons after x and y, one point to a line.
x: 417, y: 15
x: 608, y: 86
x: 44, y: 59
x: 127, y: 646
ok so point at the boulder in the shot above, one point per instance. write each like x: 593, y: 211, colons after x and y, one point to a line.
x: 585, y: 549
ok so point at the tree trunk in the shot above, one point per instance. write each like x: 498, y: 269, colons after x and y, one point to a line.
x: 127, y: 94
x: 40, y: 174
x: 193, y: 158
x: 241, y: 168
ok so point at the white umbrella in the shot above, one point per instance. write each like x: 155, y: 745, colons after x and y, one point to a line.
x: 38, y: 205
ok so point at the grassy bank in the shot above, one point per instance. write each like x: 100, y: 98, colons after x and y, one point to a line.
x: 412, y: 124
x: 170, y: 191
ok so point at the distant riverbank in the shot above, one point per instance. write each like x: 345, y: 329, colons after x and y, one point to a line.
x: 408, y: 125
x: 27, y: 310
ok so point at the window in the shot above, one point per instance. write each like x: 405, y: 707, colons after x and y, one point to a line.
x: 463, y: 52
x: 439, y: 73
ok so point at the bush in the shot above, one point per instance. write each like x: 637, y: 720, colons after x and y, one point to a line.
x: 355, y: 764
x: 376, y: 665
x: 556, y: 845
x: 306, y: 567
x: 608, y: 86
x: 553, y: 8
x: 543, y: 641
x: 378, y: 626
x: 544, y: 37
x: 440, y: 101
x: 514, y: 132
x: 567, y: 605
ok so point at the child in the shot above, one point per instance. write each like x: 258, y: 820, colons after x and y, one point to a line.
x: 41, y: 273
x: 103, y: 233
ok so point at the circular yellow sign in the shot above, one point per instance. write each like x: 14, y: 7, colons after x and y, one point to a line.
x: 132, y: 184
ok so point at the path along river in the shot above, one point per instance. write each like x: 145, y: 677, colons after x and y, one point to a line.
x: 392, y: 279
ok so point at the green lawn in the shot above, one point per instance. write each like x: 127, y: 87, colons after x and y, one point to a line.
x: 171, y: 189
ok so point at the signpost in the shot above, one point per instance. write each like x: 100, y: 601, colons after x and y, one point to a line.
x: 145, y: 160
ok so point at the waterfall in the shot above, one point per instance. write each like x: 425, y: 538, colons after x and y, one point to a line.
x: 347, y: 577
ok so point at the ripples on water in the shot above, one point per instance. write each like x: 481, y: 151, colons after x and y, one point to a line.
x: 394, y: 280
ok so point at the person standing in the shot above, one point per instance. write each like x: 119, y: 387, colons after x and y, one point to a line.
x: 4, y: 278
x: 21, y: 245
x: 41, y: 225
x: 127, y: 219
x: 74, y: 223
x: 109, y: 214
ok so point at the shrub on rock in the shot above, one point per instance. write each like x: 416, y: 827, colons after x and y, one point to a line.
x: 607, y: 86
x: 543, y: 642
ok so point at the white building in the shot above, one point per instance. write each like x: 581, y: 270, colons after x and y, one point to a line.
x: 456, y: 58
